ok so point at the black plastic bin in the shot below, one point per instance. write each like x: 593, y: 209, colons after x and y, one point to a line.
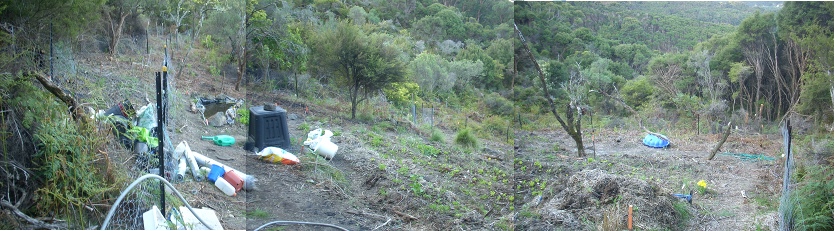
x: 268, y: 128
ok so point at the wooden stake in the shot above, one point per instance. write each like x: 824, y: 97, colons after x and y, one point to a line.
x: 629, y: 219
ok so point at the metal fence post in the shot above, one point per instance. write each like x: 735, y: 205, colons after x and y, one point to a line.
x: 160, y: 150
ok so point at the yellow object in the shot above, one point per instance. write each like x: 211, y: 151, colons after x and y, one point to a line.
x: 702, y: 184
x: 164, y: 68
x: 278, y: 155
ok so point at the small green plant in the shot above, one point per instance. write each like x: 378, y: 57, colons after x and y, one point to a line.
x: 258, y: 213
x: 681, y: 209
x: 304, y: 126
x: 243, y: 115
x: 403, y: 170
x: 417, y: 188
x: 376, y: 141
x: 439, y: 207
x: 381, y: 166
x: 465, y: 138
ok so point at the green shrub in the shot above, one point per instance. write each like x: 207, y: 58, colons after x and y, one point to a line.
x: 437, y: 136
x: 498, y: 105
x: 465, y: 138
x: 813, y: 210
x: 69, y: 167
x: 637, y: 91
x: 495, y: 124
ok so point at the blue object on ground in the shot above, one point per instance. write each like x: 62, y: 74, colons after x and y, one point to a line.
x: 688, y: 197
x: 655, y: 141
x: 216, y: 172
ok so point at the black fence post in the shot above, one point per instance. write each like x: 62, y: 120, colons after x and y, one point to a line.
x: 160, y: 149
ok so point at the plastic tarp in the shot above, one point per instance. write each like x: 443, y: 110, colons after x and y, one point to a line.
x: 655, y: 141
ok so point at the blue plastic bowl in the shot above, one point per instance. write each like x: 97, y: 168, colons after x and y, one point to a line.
x: 655, y: 142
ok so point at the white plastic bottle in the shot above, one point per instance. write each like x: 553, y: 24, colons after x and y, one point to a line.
x: 224, y: 186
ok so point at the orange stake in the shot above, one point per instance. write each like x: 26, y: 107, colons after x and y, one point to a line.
x: 629, y: 219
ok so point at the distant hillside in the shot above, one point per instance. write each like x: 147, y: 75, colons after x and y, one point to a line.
x: 664, y: 26
x: 717, y: 12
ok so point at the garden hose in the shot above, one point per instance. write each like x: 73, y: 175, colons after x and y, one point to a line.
x: 136, y: 182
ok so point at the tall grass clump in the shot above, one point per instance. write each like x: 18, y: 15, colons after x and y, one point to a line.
x: 466, y: 138
x: 437, y: 136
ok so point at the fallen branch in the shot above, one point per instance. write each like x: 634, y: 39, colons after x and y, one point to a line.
x: 407, y: 216
x: 36, y: 224
x: 75, y: 109
x: 381, y: 225
x: 719, y: 145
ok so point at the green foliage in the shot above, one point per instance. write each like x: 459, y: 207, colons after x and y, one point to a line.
x: 466, y: 138
x: 638, y: 91
x: 304, y: 126
x: 813, y: 210
x: 68, y: 18
x: 437, y: 136
x: 495, y: 124
x: 258, y: 213
x: 682, y: 211
x: 400, y: 93
x: 498, y: 105
x: 363, y: 64
x: 243, y: 115
x: 69, y: 166
x: 207, y: 42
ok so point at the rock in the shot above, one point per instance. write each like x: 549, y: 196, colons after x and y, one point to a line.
x: 472, y: 217
x: 217, y: 120
x: 450, y: 196
x: 292, y: 116
x: 492, y: 152
x: 269, y: 107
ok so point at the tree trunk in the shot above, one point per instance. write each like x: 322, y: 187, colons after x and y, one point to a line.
x: 575, y: 134
x: 116, y: 30
x: 354, y: 95
x: 241, y: 69
x: 296, y: 85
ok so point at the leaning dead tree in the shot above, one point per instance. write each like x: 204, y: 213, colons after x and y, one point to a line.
x: 75, y: 109
x: 722, y: 141
x: 570, y: 124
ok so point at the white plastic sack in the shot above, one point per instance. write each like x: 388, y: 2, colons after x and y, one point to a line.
x: 317, y: 135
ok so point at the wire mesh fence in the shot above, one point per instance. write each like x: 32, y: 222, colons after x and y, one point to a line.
x: 142, y: 159
x: 786, y: 204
